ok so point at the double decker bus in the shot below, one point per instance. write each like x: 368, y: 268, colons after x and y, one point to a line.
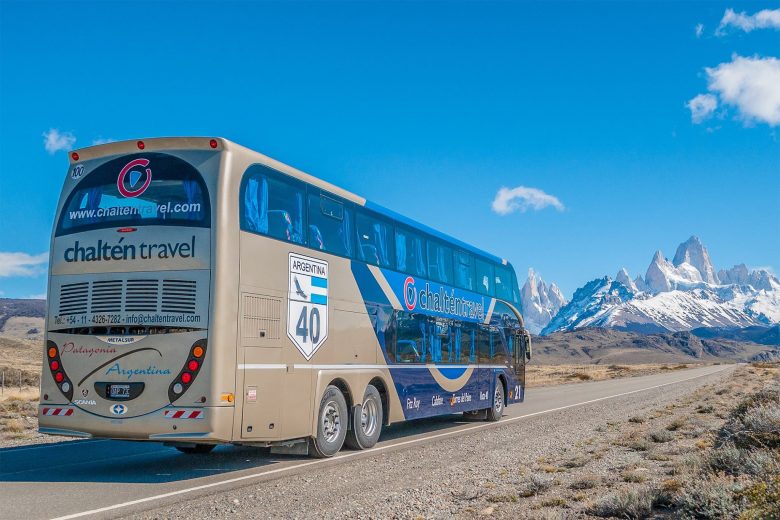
x: 201, y: 293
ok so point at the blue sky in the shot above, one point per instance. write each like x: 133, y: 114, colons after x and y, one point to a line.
x: 429, y: 109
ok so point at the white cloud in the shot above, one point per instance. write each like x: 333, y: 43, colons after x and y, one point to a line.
x: 765, y: 19
x: 521, y: 199
x: 101, y: 140
x: 702, y: 107
x: 41, y: 296
x: 22, y: 264
x: 752, y: 85
x: 699, y: 29
x: 55, y: 141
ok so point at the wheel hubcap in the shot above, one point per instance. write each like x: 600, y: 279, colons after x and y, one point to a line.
x: 331, y: 422
x: 368, y: 417
x: 498, y: 400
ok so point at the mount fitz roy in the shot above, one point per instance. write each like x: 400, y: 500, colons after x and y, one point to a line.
x: 678, y: 295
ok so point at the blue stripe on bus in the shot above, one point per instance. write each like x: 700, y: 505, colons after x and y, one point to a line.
x: 319, y: 298
x: 319, y: 282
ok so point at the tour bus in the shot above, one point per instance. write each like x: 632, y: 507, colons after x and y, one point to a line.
x: 201, y: 293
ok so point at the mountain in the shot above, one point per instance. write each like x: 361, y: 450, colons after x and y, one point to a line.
x: 756, y: 334
x: 539, y: 302
x: 608, y: 346
x: 679, y: 295
x: 693, y: 253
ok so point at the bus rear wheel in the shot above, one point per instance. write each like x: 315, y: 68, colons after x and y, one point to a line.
x: 495, y: 412
x: 197, y: 449
x: 331, y: 424
x: 366, y: 421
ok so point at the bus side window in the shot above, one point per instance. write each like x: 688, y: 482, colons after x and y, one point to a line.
x: 499, y: 352
x: 464, y: 270
x: 440, y: 262
x: 272, y: 206
x: 330, y: 225
x: 375, y: 240
x: 484, y: 342
x: 410, y: 253
x: 462, y: 339
x: 485, y: 278
x: 503, y: 283
x: 410, y: 339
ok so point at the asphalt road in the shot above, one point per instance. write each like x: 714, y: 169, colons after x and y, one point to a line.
x: 106, y: 479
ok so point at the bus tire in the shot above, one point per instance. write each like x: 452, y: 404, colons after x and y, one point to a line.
x: 201, y: 449
x: 332, y: 419
x: 495, y: 412
x: 366, y: 421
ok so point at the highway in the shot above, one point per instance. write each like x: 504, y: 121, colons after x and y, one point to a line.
x: 108, y: 479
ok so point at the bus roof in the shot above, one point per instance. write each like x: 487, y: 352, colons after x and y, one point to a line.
x: 221, y: 144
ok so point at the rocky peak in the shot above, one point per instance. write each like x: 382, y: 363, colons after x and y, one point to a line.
x: 539, y: 302
x: 622, y: 277
x: 693, y: 252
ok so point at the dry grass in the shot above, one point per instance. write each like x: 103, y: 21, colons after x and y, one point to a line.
x: 546, y: 375
x: 18, y: 414
x: 669, y: 462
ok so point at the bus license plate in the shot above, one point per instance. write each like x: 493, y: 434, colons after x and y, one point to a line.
x: 119, y: 391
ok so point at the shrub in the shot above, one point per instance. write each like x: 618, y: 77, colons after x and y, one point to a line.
x: 586, y: 482
x: 737, y: 461
x: 535, y: 485
x: 554, y: 502
x: 676, y: 424
x: 705, y: 499
x: 636, y: 419
x: 581, y: 376
x: 576, y: 462
x: 705, y: 408
x: 633, y: 504
x: 763, y: 500
x: 661, y: 436
x: 638, y: 445
x: 13, y: 426
x: 634, y: 477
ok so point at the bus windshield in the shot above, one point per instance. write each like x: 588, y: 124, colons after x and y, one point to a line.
x: 133, y: 190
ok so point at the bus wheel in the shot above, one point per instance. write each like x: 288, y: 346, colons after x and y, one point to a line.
x: 331, y: 424
x: 495, y: 412
x: 197, y: 449
x: 366, y: 421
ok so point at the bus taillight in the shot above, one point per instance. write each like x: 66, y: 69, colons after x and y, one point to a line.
x: 188, y: 373
x: 58, y: 371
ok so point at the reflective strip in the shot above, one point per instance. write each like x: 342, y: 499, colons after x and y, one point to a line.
x: 62, y: 412
x: 184, y: 414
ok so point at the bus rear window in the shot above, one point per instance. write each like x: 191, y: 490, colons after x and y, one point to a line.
x: 137, y: 190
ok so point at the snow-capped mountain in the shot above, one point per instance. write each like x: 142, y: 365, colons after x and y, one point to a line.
x: 683, y: 294
x: 539, y: 302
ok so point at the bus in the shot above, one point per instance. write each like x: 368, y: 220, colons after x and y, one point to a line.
x: 201, y: 293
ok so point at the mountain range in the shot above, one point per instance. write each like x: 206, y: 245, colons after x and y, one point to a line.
x: 683, y: 294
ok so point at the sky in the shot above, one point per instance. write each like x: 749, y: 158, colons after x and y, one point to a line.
x: 574, y: 138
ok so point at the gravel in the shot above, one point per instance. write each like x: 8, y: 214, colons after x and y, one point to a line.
x: 488, y: 473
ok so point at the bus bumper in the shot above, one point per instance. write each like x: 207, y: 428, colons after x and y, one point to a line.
x: 203, y: 424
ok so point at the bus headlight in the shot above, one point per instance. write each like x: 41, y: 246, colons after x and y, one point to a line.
x: 190, y: 370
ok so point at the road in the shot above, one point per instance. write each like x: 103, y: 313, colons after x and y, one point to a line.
x: 107, y: 479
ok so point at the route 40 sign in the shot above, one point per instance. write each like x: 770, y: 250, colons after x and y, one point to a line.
x: 307, y: 310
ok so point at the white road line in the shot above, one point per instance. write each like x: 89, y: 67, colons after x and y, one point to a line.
x: 51, y: 445
x: 372, y: 450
